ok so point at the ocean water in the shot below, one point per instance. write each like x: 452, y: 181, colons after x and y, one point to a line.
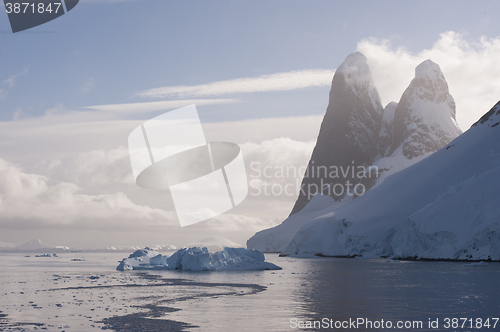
x: 58, y: 294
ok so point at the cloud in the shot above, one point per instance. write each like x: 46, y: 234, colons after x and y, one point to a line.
x: 89, y: 85
x: 29, y: 200
x: 471, y: 69
x: 157, y: 105
x: 275, y: 82
x: 298, y: 128
x: 230, y: 222
x: 275, y: 169
x: 17, y: 114
x: 90, y: 168
x: 10, y: 82
x: 82, y: 148
x: 83, y: 181
x: 276, y: 154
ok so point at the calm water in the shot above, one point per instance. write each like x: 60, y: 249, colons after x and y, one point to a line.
x: 66, y: 295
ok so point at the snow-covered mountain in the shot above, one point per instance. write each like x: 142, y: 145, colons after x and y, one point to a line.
x: 446, y: 206
x: 356, y: 132
x: 33, y: 245
x: 424, y: 119
x: 421, y: 123
x: 6, y: 245
x: 37, y: 245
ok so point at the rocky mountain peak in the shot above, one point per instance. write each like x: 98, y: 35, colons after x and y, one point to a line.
x: 348, y: 136
x: 424, y: 120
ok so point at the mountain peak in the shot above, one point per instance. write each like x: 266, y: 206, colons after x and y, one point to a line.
x: 348, y: 136
x: 424, y: 120
x: 429, y: 69
x: 355, y: 70
x: 353, y: 59
x: 34, y: 245
x: 357, y: 132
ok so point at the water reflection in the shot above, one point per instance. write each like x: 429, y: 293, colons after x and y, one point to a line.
x: 340, y: 289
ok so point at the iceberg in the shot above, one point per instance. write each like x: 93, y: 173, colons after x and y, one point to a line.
x: 197, y: 259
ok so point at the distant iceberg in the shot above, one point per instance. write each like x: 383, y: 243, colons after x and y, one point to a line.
x: 198, y: 259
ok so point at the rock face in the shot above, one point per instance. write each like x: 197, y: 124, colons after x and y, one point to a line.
x: 357, y: 134
x: 386, y: 131
x: 349, y: 132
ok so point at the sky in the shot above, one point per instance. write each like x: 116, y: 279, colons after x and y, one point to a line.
x: 259, y: 72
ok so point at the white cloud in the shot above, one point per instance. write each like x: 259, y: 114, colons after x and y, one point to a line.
x: 89, y: 85
x: 10, y: 82
x: 274, y: 82
x: 471, y: 69
x: 83, y: 178
x: 157, y: 105
x: 298, y: 128
x: 274, y: 169
x: 29, y: 199
x: 17, y: 114
x: 230, y: 222
x: 276, y: 154
x: 12, y: 79
x: 91, y: 168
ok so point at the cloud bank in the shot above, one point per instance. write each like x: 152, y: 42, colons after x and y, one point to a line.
x: 30, y: 200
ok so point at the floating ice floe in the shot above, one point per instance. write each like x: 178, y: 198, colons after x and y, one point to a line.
x: 198, y: 259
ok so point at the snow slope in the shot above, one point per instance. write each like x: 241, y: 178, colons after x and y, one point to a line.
x: 447, y: 206
x: 198, y: 259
